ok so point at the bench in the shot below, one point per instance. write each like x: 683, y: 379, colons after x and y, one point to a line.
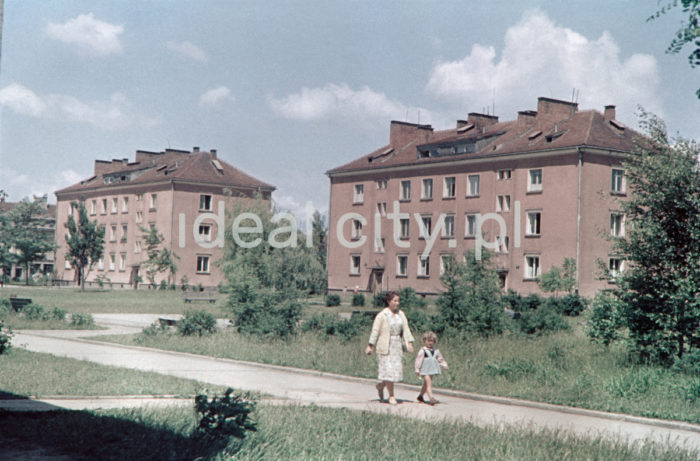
x: 165, y: 323
x: 205, y: 295
x: 18, y: 303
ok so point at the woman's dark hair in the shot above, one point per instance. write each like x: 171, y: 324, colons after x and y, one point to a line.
x: 389, y: 296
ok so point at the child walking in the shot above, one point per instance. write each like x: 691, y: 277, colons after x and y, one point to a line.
x: 428, y: 363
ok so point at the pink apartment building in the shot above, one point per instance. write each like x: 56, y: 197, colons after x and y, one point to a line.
x: 183, y: 194
x: 534, y: 190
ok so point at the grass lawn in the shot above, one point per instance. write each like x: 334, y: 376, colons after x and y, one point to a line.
x: 306, y: 433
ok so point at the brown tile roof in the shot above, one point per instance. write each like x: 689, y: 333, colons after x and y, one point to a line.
x: 171, y: 165
x: 528, y: 134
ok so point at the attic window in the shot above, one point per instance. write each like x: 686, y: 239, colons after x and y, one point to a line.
x: 217, y: 164
x: 385, y: 152
x: 617, y: 125
x: 554, y: 136
x: 535, y: 134
x: 465, y: 128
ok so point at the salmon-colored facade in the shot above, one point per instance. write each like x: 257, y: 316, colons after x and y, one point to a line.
x: 185, y: 195
x: 535, y: 191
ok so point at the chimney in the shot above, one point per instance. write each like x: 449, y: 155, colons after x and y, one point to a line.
x: 609, y: 113
x: 213, y: 153
x: 401, y: 133
x: 481, y: 120
x: 527, y: 116
x: 195, y: 149
x: 555, y: 109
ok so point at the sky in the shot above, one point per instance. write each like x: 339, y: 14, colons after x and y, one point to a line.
x: 286, y: 90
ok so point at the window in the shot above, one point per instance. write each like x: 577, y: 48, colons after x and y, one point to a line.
x: 504, y: 174
x: 112, y: 261
x: 203, y: 264
x: 204, y: 233
x: 532, y: 267
x: 470, y: 225
x: 618, y: 181
x: 115, y: 204
x: 101, y: 264
x: 473, y: 185
x: 93, y: 207
x: 356, y: 229
x: 205, y: 202
x: 615, y: 267
x: 125, y: 204
x: 381, y: 184
x: 405, y: 223
x: 139, y: 216
x: 125, y: 231
x: 122, y: 261
x: 354, y: 264
x: 502, y: 244
x: 503, y: 203
x: 154, y: 202
x: 379, y: 245
x: 426, y: 192
x: 405, y: 193
x: 381, y: 208
x: 67, y: 266
x: 139, y: 197
x: 104, y: 206
x: 401, y: 265
x: 448, y: 229
x: 427, y: 227
x: 359, y: 195
x: 113, y: 233
x: 533, y: 222
x: 447, y: 262
x: 137, y: 246
x: 423, y: 266
x: 617, y: 224
x: 534, y: 181
x: 449, y: 190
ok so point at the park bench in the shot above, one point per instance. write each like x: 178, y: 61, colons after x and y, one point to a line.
x: 165, y: 323
x: 18, y: 303
x: 199, y: 295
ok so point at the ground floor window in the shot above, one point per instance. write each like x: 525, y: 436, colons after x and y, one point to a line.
x: 355, y: 265
x: 532, y: 267
x: 203, y: 264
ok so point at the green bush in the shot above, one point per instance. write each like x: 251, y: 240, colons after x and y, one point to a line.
x: 571, y: 304
x: 35, y: 312
x: 379, y: 299
x: 332, y: 300
x: 689, y: 363
x: 605, y: 322
x: 358, y: 299
x: 328, y: 324
x: 196, y: 323
x: 80, y: 319
x: 5, y: 338
x: 156, y: 328
x: 58, y: 314
x: 163, y: 285
x: 5, y: 306
x: 409, y: 299
x: 545, y: 319
x: 222, y: 417
x: 269, y: 313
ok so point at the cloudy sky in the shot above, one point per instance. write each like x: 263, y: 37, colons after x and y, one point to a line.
x: 286, y: 90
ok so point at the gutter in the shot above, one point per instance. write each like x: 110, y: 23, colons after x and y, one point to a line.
x: 578, y: 218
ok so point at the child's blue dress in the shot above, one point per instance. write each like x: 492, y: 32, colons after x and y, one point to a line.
x: 430, y: 365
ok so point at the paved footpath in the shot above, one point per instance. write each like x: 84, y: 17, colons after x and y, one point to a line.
x: 330, y: 390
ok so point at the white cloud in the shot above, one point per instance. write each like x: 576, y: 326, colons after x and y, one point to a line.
x: 19, y: 185
x: 541, y: 58
x: 216, y: 96
x: 92, y: 35
x: 340, y: 102
x: 187, y: 50
x: 117, y: 113
x: 303, y: 213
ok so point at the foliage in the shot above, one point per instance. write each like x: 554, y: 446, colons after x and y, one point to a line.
x: 471, y: 300
x: 542, y: 320
x: 558, y: 279
x: 85, y: 241
x: 329, y: 325
x: 196, y: 323
x: 518, y: 303
x: 160, y: 259
x: 7, y: 257
x: 358, y: 299
x: 5, y: 306
x: 689, y: 364
x: 660, y: 287
x: 155, y: 328
x: 689, y: 33
x: 81, y: 319
x: 5, y: 338
x: 605, y: 322
x: 410, y: 299
x: 27, y: 232
x: 319, y: 231
x: 571, y: 304
x: 35, y: 311
x: 221, y: 417
x: 332, y: 300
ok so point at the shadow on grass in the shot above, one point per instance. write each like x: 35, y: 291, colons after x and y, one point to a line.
x: 127, y: 434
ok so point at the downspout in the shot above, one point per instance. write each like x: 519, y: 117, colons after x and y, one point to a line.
x: 578, y: 218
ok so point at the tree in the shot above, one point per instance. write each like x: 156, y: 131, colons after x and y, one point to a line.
x: 85, y: 240
x: 558, y: 279
x: 660, y: 287
x: 689, y: 33
x: 29, y: 234
x: 320, y: 237
x: 160, y: 259
x: 471, y: 300
x: 7, y: 258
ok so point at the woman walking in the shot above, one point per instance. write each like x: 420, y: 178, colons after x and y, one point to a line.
x: 390, y: 335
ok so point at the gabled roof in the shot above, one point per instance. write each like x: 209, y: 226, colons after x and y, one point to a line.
x: 171, y: 165
x: 556, y: 125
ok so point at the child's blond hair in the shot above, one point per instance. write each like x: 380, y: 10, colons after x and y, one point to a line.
x: 429, y: 335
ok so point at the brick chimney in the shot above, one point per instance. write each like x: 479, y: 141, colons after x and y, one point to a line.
x: 481, y: 120
x: 213, y: 153
x: 555, y: 109
x: 609, y: 113
x: 403, y: 132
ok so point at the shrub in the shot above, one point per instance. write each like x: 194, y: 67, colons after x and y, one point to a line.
x: 689, y: 363
x: 545, y: 319
x: 409, y: 299
x: 196, y: 323
x: 58, y: 314
x: 358, y: 299
x: 5, y: 338
x: 332, y: 325
x: 270, y: 313
x: 225, y: 416
x: 379, y: 299
x: 332, y: 300
x: 163, y: 285
x: 35, y: 312
x: 571, y: 305
x: 5, y: 306
x: 605, y: 322
x: 183, y: 283
x: 80, y: 319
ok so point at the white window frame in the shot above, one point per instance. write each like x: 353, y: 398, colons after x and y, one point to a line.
x: 615, y: 267
x: 137, y: 247
x: 139, y: 217
x: 402, y: 265
x: 505, y: 174
x: 112, y: 261
x: 449, y: 189
x: 443, y: 262
x: 381, y: 184
x: 125, y: 232
x: 205, y: 202
x: 473, y: 185
x: 153, y: 202
x: 448, y: 228
x: 404, y: 228
x: 533, y: 268
x: 356, y: 229
x: 355, y: 264
x: 115, y: 204
x: 358, y: 196
x: 423, y: 266
x: 618, y: 185
x: 379, y: 244
x: 534, y: 180
x: 204, y: 233
x: 101, y: 264
x: 125, y: 204
x: 617, y: 224
x: 470, y: 224
x: 534, y: 223
x: 405, y: 190
x: 93, y: 208
x: 426, y: 191
x: 203, y: 264
x: 122, y: 262
x: 113, y: 233
x: 104, y: 206
x: 503, y: 203
x: 381, y: 208
x: 427, y: 226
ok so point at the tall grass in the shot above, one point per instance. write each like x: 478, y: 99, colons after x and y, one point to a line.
x: 310, y: 433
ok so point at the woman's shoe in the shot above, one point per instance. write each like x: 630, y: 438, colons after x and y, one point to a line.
x: 420, y: 398
x: 380, y: 391
x: 392, y: 401
x: 433, y: 401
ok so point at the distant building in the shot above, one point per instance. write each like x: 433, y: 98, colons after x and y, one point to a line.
x: 180, y: 193
x: 549, y: 179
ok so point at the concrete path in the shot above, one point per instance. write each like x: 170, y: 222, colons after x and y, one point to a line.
x: 330, y: 390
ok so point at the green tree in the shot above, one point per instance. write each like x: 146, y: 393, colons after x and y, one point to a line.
x: 160, y: 259
x: 85, y: 240
x: 320, y: 237
x: 29, y: 232
x: 660, y: 287
x: 558, y: 279
x: 689, y: 32
x: 7, y: 257
x: 471, y: 300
